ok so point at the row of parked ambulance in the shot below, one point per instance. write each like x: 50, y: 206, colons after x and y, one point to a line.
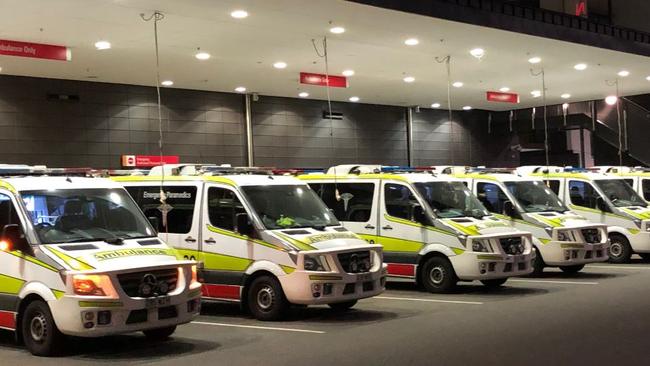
x: 88, y: 256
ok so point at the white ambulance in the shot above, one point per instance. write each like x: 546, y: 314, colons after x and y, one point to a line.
x: 561, y: 237
x: 606, y: 199
x: 266, y: 241
x: 432, y: 229
x: 637, y: 177
x: 79, y: 258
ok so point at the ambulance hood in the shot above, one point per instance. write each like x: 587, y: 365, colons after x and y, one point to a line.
x: 636, y: 212
x: 471, y: 226
x: 313, y: 239
x: 566, y: 219
x: 99, y: 255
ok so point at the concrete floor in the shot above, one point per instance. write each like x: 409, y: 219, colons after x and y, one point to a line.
x: 598, y: 317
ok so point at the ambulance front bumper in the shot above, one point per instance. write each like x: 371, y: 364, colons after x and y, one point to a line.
x: 563, y: 253
x: 488, y: 266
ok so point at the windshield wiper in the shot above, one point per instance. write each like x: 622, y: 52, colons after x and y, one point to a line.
x: 116, y: 240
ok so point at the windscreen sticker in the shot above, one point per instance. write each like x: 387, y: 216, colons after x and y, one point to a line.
x: 168, y: 195
x: 133, y: 252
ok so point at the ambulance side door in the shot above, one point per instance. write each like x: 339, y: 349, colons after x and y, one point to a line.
x: 356, y: 206
x: 584, y: 199
x: 178, y: 221
x: 492, y: 196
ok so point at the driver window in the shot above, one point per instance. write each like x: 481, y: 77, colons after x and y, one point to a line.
x: 646, y: 189
x: 223, y: 207
x: 8, y: 214
x: 583, y: 194
x: 399, y: 201
x: 354, y: 203
x: 492, y: 197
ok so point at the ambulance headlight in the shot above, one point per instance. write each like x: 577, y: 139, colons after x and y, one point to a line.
x: 315, y: 263
x: 93, y: 285
x: 479, y: 246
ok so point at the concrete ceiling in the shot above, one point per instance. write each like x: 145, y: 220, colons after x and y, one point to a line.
x: 243, y: 51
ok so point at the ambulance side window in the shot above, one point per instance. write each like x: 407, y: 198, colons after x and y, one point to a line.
x: 554, y: 185
x: 583, y: 194
x: 182, y: 200
x: 8, y: 214
x: 646, y: 189
x: 630, y: 182
x: 491, y: 196
x: 355, y: 203
x: 223, y: 207
x: 400, y: 201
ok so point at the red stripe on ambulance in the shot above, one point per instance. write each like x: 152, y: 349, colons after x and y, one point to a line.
x: 401, y: 269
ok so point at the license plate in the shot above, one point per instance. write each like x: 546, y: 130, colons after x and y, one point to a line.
x: 364, y: 277
x: 157, y: 302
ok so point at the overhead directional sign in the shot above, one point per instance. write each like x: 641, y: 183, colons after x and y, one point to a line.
x: 35, y: 50
x: 493, y: 96
x: 322, y: 80
x: 147, y: 161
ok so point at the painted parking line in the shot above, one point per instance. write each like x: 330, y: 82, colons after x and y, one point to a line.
x: 557, y: 282
x: 260, y: 327
x: 428, y: 300
x: 632, y: 267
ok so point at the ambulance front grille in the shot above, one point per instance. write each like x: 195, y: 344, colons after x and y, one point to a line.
x: 592, y: 236
x: 356, y: 262
x: 149, y: 283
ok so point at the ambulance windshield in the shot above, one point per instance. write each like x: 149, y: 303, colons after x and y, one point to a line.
x: 67, y: 216
x: 289, y: 206
x: 451, y: 199
x: 620, y: 193
x: 535, y: 196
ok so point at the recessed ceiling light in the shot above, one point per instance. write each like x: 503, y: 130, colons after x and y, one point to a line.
x: 536, y: 93
x: 565, y: 96
x: 467, y: 108
x: 202, y: 55
x: 239, y: 14
x: 435, y: 105
x: 580, y: 67
x: 611, y: 100
x: 458, y: 84
x: 348, y: 72
x: 102, y: 45
x: 354, y: 99
x: 535, y: 60
x: 240, y: 89
x: 647, y: 77
x: 280, y: 65
x: 167, y: 83
x: 337, y: 30
x: 412, y: 42
x: 623, y: 73
x: 477, y: 52
x: 303, y: 94
x: 505, y: 89
x: 1, y: 70
x: 409, y: 79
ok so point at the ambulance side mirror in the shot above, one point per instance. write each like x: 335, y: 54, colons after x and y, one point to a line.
x: 509, y: 209
x: 244, y: 225
x: 419, y: 215
x: 14, y: 238
x: 601, y: 204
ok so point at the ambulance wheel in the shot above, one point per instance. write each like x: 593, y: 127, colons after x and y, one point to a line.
x: 266, y: 299
x: 40, y: 334
x: 572, y: 269
x: 620, y: 250
x: 538, y: 264
x: 496, y: 283
x: 159, y: 334
x: 342, y: 306
x: 438, y: 275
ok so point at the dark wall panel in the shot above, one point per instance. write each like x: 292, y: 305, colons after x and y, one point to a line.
x: 110, y: 120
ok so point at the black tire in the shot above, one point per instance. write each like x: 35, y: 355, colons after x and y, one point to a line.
x: 438, y: 276
x: 645, y: 256
x: 343, y: 306
x: 572, y: 269
x: 538, y: 264
x: 266, y: 300
x: 159, y: 334
x: 620, y: 250
x: 496, y: 283
x: 40, y: 334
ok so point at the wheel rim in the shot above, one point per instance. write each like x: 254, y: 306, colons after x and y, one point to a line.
x: 616, y: 249
x: 38, y: 327
x: 265, y: 298
x: 437, y: 275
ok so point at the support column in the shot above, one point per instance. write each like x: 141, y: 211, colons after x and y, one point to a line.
x: 248, y: 117
x: 409, y: 136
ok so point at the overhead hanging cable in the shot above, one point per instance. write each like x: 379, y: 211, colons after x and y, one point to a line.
x: 618, y: 121
x: 542, y: 73
x: 164, y: 207
x: 447, y: 61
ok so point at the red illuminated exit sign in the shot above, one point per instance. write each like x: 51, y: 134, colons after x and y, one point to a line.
x: 148, y: 161
x: 35, y: 50
x: 321, y: 80
x: 502, y: 97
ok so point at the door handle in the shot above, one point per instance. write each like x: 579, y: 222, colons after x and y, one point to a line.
x: 369, y: 227
x: 190, y: 239
x: 210, y: 241
x: 387, y: 227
